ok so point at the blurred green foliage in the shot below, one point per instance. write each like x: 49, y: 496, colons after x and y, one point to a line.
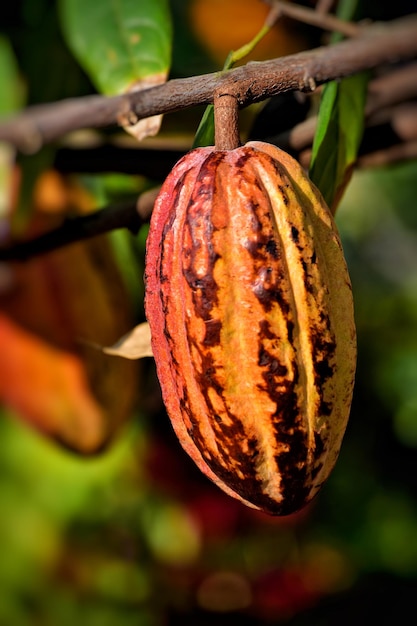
x: 138, y: 48
x: 136, y: 535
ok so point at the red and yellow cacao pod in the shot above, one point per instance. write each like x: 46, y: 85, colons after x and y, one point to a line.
x: 250, y: 307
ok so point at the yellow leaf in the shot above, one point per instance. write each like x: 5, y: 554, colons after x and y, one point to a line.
x: 134, y: 345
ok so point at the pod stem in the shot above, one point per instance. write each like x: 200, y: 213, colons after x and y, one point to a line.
x: 226, y: 122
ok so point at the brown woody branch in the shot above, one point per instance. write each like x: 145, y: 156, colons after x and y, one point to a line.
x: 324, y: 6
x: 130, y: 215
x: 376, y: 45
x: 122, y: 215
x: 226, y: 122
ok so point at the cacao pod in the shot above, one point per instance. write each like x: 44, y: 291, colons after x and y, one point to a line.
x: 250, y: 307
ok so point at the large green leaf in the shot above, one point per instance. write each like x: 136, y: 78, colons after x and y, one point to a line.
x: 338, y: 136
x: 339, y: 127
x: 119, y: 43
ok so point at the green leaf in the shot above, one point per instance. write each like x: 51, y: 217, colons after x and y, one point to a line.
x: 340, y: 126
x: 11, y: 99
x: 11, y: 94
x: 205, y: 131
x: 119, y: 42
x: 339, y: 133
x: 346, y: 10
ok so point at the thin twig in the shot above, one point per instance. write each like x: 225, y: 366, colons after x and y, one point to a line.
x: 393, y: 154
x: 324, y: 6
x: 313, y: 17
x: 130, y: 215
x: 392, y: 88
x: 376, y: 45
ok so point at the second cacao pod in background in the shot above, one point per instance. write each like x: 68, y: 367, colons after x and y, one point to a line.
x: 250, y: 308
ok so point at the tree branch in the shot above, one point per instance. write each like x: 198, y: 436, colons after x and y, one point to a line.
x: 316, y: 17
x: 122, y: 215
x: 324, y: 6
x: 130, y: 215
x: 376, y: 45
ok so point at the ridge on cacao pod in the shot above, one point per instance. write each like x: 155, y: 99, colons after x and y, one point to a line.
x: 250, y: 308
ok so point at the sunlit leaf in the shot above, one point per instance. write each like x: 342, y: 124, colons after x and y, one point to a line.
x: 119, y: 42
x: 123, y: 46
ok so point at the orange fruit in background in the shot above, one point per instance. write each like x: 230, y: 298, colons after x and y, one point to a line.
x: 224, y: 25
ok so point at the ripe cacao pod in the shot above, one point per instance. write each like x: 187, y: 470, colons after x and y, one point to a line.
x: 250, y: 308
